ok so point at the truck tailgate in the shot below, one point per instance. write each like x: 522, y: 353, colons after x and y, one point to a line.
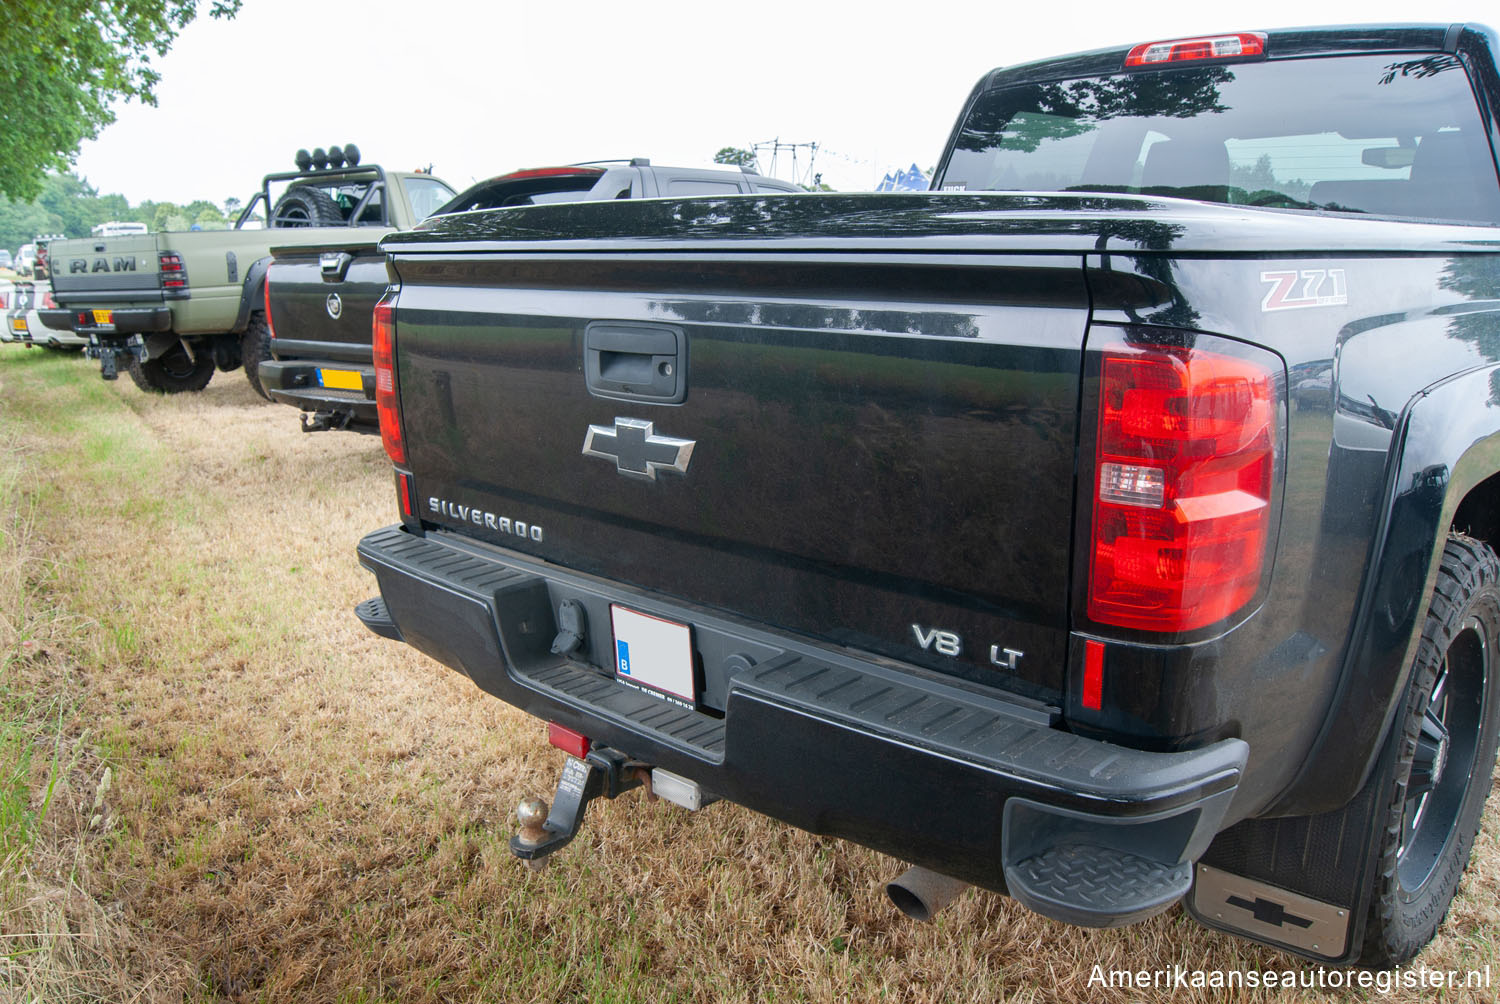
x: 321, y: 298
x: 882, y: 444
x: 98, y: 269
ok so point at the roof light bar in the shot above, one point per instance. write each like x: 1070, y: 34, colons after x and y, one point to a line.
x: 1183, y: 50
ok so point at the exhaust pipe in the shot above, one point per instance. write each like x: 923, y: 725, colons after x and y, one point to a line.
x: 920, y: 893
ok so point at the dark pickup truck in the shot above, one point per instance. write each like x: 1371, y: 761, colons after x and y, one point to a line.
x: 320, y: 298
x: 981, y: 527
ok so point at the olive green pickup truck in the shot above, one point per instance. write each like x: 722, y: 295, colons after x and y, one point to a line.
x: 173, y: 307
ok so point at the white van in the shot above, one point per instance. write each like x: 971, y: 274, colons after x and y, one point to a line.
x: 118, y: 229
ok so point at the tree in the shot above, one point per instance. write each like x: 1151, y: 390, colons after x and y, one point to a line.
x: 66, y: 63
x: 168, y: 217
x: 209, y: 218
x: 735, y: 157
x: 20, y: 222
x: 72, y: 200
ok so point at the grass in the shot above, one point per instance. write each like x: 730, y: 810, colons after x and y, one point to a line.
x: 216, y: 786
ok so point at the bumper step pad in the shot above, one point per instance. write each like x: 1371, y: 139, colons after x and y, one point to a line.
x: 1097, y: 886
x: 375, y: 615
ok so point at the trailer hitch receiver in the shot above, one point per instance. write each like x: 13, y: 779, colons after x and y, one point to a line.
x: 604, y: 772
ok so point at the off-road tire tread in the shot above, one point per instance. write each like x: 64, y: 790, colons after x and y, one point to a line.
x: 159, y: 383
x: 255, y: 345
x: 1468, y: 577
x: 321, y: 209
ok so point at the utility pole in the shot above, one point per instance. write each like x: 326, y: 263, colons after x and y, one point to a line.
x: 776, y: 146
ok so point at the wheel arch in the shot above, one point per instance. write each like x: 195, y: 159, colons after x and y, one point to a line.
x: 1443, y: 475
x: 252, y: 294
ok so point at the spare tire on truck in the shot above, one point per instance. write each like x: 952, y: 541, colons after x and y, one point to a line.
x: 306, y: 206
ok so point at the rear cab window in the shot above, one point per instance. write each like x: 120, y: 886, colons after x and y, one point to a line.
x: 425, y: 195
x: 697, y: 186
x: 1389, y: 135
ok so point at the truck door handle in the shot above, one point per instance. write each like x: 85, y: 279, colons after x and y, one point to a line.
x: 628, y: 361
x: 334, y: 265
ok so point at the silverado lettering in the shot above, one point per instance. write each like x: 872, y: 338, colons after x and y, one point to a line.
x: 1248, y: 550
x: 502, y: 524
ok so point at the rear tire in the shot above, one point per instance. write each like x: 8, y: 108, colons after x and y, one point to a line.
x: 174, y: 372
x: 255, y: 348
x: 306, y: 206
x: 1444, y: 757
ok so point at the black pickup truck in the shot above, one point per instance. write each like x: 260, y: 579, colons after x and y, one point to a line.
x: 320, y: 298
x: 982, y: 526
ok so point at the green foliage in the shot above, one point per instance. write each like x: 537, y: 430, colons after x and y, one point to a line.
x: 735, y: 157
x: 211, y: 219
x: 69, y: 199
x: 69, y: 205
x: 168, y: 217
x: 65, y: 64
x: 20, y: 222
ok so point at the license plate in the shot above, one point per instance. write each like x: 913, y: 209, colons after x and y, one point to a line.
x: 342, y: 379
x: 104, y: 317
x: 654, y: 655
x: 18, y: 325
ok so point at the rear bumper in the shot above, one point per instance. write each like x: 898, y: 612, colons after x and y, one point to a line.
x: 961, y: 780
x: 297, y: 382
x: 127, y: 321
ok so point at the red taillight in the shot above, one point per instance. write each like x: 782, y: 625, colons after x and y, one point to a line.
x: 570, y: 742
x: 1186, y: 458
x: 173, y: 274
x: 47, y: 300
x: 552, y: 172
x: 1181, y: 50
x: 270, y: 325
x: 383, y: 341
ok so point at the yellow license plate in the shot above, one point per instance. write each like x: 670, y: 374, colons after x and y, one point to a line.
x: 18, y: 325
x: 104, y: 317
x: 342, y: 379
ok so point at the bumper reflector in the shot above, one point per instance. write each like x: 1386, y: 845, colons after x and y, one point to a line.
x: 676, y: 789
x: 1093, y: 675
x: 572, y: 743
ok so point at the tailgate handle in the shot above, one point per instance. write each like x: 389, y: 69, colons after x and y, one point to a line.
x: 627, y: 361
x: 334, y: 265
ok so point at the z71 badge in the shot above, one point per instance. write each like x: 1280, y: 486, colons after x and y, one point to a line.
x: 1310, y: 287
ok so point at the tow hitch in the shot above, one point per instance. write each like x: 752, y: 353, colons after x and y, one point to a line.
x: 603, y: 772
x: 326, y: 421
x: 114, y: 356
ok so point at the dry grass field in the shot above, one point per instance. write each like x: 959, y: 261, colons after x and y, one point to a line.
x: 216, y: 786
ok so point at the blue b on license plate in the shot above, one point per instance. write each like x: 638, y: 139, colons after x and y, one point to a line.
x: 654, y: 655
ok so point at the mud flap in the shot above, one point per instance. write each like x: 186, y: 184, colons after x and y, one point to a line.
x: 1300, y: 883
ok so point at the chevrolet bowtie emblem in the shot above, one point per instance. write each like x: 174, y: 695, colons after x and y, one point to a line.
x: 637, y: 450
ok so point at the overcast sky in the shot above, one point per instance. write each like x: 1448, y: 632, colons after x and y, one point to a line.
x: 477, y: 88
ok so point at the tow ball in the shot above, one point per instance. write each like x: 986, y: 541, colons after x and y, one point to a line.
x: 603, y: 772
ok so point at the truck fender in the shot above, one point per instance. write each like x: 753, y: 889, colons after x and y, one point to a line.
x: 1447, y: 443
x: 253, y: 294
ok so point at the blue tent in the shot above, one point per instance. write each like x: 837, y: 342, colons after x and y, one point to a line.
x: 910, y: 180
